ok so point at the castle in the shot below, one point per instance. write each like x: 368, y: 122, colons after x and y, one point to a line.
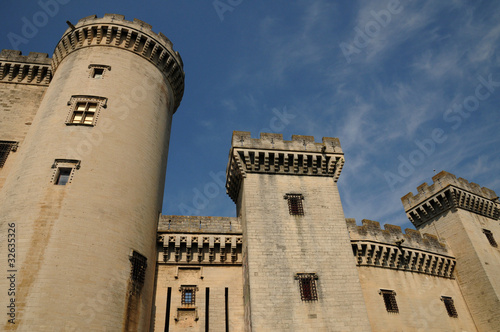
x: 84, y: 140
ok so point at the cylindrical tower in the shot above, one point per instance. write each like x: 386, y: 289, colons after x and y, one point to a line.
x: 86, y: 189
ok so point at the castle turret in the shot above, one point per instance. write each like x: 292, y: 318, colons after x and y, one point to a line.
x: 466, y: 216
x: 85, y: 191
x: 298, y: 269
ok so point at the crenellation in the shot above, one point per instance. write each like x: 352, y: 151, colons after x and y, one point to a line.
x: 392, y: 234
x: 140, y: 39
x: 390, y: 248
x: 22, y: 69
x: 441, y: 181
x: 272, y: 155
x: 272, y: 141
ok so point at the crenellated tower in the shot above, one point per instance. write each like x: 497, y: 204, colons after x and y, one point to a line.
x: 298, y: 269
x: 466, y: 216
x: 86, y: 186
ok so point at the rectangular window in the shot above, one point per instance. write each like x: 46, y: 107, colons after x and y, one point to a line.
x: 138, y: 270
x: 490, y: 237
x: 188, y: 296
x: 63, y: 176
x: 450, y: 306
x: 390, y: 300
x: 5, y: 148
x: 98, y: 73
x: 307, y: 286
x: 64, y: 170
x: 84, y: 113
x: 295, y: 204
x: 84, y: 110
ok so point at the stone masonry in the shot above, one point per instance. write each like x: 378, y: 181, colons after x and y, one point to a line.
x: 84, y: 141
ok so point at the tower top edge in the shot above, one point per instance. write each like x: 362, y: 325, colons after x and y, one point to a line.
x: 272, y: 141
x: 392, y: 234
x: 440, y: 181
x: 31, y: 58
x: 136, y: 24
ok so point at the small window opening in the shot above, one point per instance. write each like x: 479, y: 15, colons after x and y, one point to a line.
x: 295, y: 207
x: 5, y: 148
x: 98, y: 73
x: 188, y: 296
x: 490, y: 237
x: 63, y: 176
x: 450, y: 306
x: 390, y: 300
x: 307, y: 285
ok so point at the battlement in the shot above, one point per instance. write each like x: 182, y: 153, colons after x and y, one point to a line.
x: 272, y: 155
x: 135, y: 36
x: 442, y: 180
x: 392, y: 234
x: 448, y: 192
x: 270, y: 141
x: 34, y: 68
x: 390, y: 248
x: 196, y: 224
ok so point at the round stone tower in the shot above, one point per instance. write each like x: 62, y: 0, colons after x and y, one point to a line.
x: 87, y: 187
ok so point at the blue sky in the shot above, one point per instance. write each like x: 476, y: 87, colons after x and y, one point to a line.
x: 409, y: 87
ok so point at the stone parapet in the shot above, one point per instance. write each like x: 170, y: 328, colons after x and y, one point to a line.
x: 200, y: 249
x: 392, y: 249
x: 273, y: 155
x: 34, y: 68
x: 199, y: 225
x: 135, y: 36
x: 448, y: 192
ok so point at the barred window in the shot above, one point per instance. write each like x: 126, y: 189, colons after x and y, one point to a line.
x: 295, y: 204
x: 139, y: 265
x: 307, y: 286
x: 188, y: 297
x: 5, y: 148
x: 389, y: 300
x: 490, y: 237
x: 450, y: 306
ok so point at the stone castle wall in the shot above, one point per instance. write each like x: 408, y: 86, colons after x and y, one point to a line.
x: 418, y: 269
x: 23, y: 81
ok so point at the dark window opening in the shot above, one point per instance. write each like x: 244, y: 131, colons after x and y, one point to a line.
x: 307, y: 285
x: 139, y: 265
x: 5, y: 148
x: 98, y: 73
x: 188, y: 295
x: 390, y: 300
x: 450, y: 306
x: 490, y: 237
x: 63, y: 176
x: 295, y: 204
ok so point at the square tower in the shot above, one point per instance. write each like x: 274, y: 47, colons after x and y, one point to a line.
x: 466, y: 216
x: 298, y: 269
